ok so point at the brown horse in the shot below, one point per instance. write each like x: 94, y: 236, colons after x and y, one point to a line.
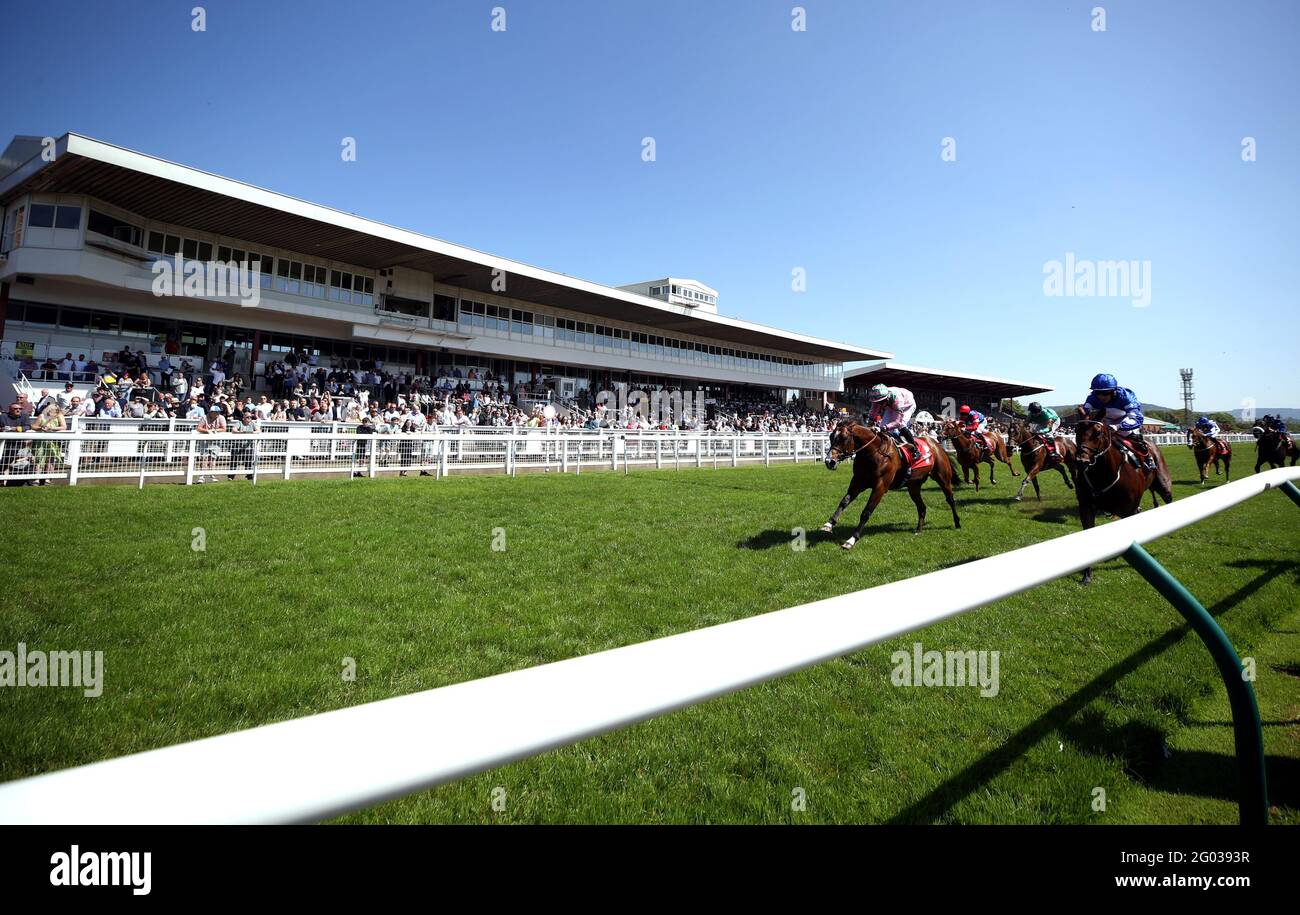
x: 878, y: 464
x: 1209, y: 451
x: 1035, y: 456
x: 1272, y: 448
x: 1108, y: 479
x: 971, y: 455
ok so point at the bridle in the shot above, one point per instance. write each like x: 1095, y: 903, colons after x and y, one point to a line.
x: 1088, y: 465
x: 874, y: 436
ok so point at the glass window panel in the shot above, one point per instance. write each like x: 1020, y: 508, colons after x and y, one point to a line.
x: 42, y: 216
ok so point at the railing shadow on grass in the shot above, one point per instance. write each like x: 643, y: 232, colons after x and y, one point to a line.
x: 770, y: 539
x: 945, y: 796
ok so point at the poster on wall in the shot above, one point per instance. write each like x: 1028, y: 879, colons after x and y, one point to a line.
x: 23, y: 349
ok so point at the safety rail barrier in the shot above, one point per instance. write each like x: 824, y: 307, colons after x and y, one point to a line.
x: 287, y: 450
x: 323, y: 765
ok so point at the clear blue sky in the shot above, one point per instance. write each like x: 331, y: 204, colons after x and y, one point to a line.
x: 775, y: 150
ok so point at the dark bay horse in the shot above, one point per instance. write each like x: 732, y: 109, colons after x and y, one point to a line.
x: 1209, y: 451
x: 1273, y: 449
x: 878, y: 465
x: 970, y: 455
x: 1105, y: 479
x: 1035, y: 457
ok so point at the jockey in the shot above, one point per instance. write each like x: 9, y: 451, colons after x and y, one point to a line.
x: 1043, y: 423
x: 893, y: 409
x: 974, y: 423
x: 1043, y: 420
x: 1209, y: 428
x: 1120, y: 409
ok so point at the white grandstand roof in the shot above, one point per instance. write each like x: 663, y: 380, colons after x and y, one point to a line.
x: 177, y: 194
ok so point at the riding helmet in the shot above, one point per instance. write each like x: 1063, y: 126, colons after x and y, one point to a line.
x: 878, y: 392
x: 1104, y: 382
x: 965, y: 408
x: 1035, y: 407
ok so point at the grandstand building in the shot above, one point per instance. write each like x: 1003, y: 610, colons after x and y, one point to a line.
x: 87, y: 226
x: 938, y: 392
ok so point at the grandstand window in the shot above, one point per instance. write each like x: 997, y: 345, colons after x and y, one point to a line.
x: 104, y: 322
x: 74, y: 319
x: 42, y: 216
x: 133, y: 326
x: 41, y: 315
x: 444, y: 308
x: 114, y: 228
x: 13, y: 234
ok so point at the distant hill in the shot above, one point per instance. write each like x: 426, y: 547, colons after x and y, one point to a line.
x: 1151, y: 408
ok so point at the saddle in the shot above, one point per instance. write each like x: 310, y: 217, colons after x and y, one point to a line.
x: 1132, y: 455
x: 919, y: 458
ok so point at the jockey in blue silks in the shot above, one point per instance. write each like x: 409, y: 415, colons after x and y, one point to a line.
x: 1209, y: 428
x: 1120, y: 409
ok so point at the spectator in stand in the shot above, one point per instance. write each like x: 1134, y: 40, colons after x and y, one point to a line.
x: 65, y: 396
x: 43, y: 401
x: 48, y: 452
x: 212, y: 424
x: 65, y: 368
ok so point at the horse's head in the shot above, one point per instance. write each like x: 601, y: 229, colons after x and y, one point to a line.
x: 948, y: 429
x: 844, y: 443
x: 1091, y: 438
x: 846, y: 439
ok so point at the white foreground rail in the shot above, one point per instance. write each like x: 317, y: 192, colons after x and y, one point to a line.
x: 322, y: 765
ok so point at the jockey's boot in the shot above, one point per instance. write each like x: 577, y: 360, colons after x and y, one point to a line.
x: 1144, y: 450
x: 906, y: 473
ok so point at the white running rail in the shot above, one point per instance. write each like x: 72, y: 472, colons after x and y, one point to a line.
x: 322, y: 765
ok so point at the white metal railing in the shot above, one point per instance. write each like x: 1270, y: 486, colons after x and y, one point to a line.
x: 326, y: 764
x: 145, y: 450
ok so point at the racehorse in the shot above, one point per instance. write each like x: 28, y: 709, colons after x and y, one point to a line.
x: 878, y: 462
x: 1036, y: 458
x: 1109, y: 478
x: 971, y: 455
x: 1209, y: 451
x: 1272, y: 449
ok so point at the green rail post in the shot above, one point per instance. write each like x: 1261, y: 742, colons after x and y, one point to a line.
x: 1290, y: 489
x: 1249, y: 735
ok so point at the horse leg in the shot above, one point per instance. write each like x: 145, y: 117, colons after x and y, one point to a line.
x: 1029, y: 476
x: 1060, y: 468
x: 854, y: 488
x: 945, y: 476
x: 1037, y: 492
x: 1227, y: 468
x: 914, y: 490
x: 992, y: 468
x: 1005, y: 457
x: 1088, y: 516
x: 882, y: 486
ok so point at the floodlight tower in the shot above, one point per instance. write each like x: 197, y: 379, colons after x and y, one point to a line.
x: 1188, y: 397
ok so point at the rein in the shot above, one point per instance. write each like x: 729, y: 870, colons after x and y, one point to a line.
x: 1119, y: 469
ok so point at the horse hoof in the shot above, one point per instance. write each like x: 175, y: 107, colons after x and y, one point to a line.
x: 827, y: 528
x: 1017, y: 498
x: 848, y: 544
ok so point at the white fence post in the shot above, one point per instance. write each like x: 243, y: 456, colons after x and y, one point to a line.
x: 74, y: 460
